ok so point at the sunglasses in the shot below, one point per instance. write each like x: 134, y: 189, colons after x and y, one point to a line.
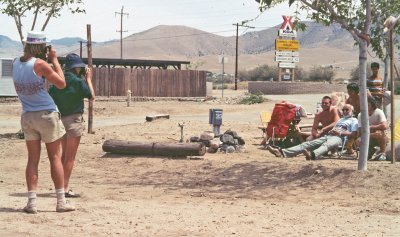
x: 344, y: 110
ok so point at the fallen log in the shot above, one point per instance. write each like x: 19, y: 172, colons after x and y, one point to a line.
x: 154, y: 149
x: 154, y: 117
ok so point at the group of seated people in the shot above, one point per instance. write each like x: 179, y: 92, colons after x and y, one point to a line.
x: 332, y: 127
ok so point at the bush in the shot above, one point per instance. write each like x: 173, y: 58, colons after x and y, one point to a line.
x: 249, y: 99
x: 321, y: 74
x: 219, y: 86
x: 261, y: 73
x: 354, y: 74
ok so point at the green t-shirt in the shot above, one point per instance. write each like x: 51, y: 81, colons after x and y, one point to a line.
x: 70, y: 99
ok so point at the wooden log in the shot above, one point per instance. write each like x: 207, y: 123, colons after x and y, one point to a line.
x: 155, y: 149
x: 154, y: 117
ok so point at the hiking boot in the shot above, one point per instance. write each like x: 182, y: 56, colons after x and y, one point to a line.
x: 276, y: 151
x: 64, y: 207
x: 31, y: 209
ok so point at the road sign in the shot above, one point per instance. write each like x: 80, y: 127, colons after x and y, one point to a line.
x: 287, y: 65
x: 287, y: 33
x: 286, y: 45
x: 287, y: 59
x: 287, y: 23
x: 287, y: 53
x: 286, y: 77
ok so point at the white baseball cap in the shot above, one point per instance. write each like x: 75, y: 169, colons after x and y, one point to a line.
x: 36, y: 37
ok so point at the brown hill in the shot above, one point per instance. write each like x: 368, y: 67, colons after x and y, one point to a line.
x: 319, y: 46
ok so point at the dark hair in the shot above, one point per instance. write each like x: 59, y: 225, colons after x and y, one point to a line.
x: 327, y: 97
x: 374, y: 65
x: 353, y: 87
x: 372, y: 102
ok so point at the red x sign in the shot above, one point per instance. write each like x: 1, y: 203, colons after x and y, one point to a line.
x: 287, y: 23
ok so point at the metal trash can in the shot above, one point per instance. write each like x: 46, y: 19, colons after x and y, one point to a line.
x: 215, y: 118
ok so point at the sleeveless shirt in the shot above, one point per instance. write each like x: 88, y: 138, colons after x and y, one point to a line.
x: 31, y: 88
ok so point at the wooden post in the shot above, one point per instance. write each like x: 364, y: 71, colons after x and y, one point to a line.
x: 128, y: 97
x: 89, y: 55
x: 392, y: 111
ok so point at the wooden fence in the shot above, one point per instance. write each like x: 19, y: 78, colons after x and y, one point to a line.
x: 149, y: 82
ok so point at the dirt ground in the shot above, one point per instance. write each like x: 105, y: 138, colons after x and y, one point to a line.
x: 237, y: 194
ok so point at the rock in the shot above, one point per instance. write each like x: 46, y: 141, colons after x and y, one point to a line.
x: 194, y: 139
x: 207, y: 136
x: 230, y: 149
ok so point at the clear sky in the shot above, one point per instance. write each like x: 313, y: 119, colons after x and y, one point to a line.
x: 214, y: 16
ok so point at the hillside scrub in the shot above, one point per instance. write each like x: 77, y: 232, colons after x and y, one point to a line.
x: 268, y: 73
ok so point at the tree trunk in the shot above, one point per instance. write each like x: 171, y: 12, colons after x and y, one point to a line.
x: 154, y: 149
x: 362, y: 161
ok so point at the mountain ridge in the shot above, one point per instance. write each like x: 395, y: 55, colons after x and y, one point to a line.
x: 319, y: 45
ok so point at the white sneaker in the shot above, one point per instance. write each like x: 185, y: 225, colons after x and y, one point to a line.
x: 31, y: 209
x: 380, y: 157
x: 64, y: 207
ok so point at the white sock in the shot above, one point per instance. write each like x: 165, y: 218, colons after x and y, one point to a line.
x: 60, y: 195
x: 31, y: 198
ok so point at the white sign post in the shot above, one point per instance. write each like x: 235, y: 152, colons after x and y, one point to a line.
x: 286, y: 49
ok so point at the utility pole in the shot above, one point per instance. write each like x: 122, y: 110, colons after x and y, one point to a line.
x: 237, y: 46
x: 80, y: 47
x: 121, y: 29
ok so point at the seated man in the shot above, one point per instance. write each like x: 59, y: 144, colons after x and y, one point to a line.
x: 327, y: 118
x: 346, y: 126
x: 377, y: 128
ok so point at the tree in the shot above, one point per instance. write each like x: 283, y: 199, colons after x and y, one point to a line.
x: 355, y: 17
x: 17, y: 9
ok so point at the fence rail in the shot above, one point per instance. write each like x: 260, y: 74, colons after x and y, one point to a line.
x: 149, y: 82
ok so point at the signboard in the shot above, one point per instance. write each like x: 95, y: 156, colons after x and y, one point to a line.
x: 287, y: 59
x: 286, y: 77
x: 287, y: 53
x: 287, y: 33
x: 287, y: 65
x: 286, y: 45
x: 287, y: 23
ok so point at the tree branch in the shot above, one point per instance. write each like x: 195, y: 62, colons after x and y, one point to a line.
x: 35, y: 17
x: 49, y: 15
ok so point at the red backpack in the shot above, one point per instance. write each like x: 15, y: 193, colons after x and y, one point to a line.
x: 282, y: 115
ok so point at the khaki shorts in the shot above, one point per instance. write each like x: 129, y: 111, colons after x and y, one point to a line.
x: 42, y: 125
x: 74, y: 125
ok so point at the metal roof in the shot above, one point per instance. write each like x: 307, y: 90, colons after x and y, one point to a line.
x: 132, y: 63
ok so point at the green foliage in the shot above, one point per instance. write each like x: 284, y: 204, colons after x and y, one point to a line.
x: 260, y: 73
x: 265, y: 73
x: 18, y: 9
x: 354, y: 74
x: 195, y: 65
x: 321, y: 74
x: 351, y: 15
x: 249, y: 99
x: 219, y: 86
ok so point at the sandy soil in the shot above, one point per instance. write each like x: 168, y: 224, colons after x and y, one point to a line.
x: 236, y: 194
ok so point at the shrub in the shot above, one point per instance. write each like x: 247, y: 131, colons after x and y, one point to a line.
x: 249, y: 99
x: 321, y: 74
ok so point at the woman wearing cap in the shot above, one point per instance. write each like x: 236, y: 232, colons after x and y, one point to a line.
x: 71, y: 105
x: 40, y: 119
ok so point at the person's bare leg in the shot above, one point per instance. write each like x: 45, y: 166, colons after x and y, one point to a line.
x: 54, y: 152
x: 31, y: 174
x: 70, y: 148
